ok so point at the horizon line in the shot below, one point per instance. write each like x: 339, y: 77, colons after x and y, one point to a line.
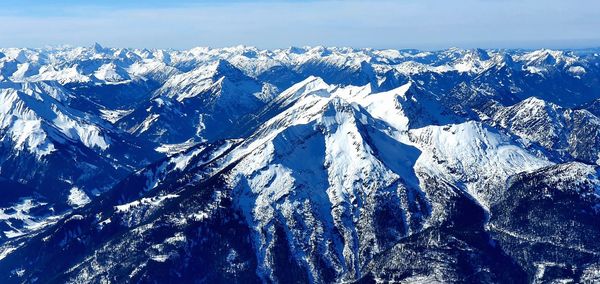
x: 307, y: 47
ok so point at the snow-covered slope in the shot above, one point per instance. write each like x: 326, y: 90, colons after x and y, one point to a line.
x: 474, y: 157
x: 29, y: 111
x: 202, y: 104
x: 55, y: 149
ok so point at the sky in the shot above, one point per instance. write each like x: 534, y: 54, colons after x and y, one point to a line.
x: 419, y: 24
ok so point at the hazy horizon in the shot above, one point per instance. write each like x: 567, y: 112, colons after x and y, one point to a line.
x: 381, y: 24
x: 581, y: 48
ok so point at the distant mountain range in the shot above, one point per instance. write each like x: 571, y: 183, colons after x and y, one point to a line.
x: 312, y: 164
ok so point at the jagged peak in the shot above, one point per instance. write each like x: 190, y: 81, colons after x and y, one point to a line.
x: 111, y: 72
x: 477, y: 53
x: 200, y: 79
x: 295, y: 50
x: 320, y: 50
x: 162, y: 55
x: 20, y: 55
x: 532, y: 108
x: 240, y: 49
x: 482, y: 53
x: 473, y: 60
x: 97, y: 47
x: 337, y: 105
x: 535, y: 102
x: 547, y: 57
x: 339, y: 110
x: 215, y: 70
x: 223, y: 67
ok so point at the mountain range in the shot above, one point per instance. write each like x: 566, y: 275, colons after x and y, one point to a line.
x: 305, y: 164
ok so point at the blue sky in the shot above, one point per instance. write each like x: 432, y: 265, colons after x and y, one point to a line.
x: 422, y: 24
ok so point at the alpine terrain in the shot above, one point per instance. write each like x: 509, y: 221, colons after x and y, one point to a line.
x: 299, y: 165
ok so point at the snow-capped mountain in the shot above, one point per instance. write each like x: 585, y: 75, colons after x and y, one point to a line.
x: 202, y: 104
x: 60, y: 152
x: 310, y: 164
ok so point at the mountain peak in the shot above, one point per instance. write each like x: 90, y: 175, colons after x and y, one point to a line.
x: 535, y: 103
x: 223, y: 67
x: 480, y: 53
x: 296, y: 50
x: 310, y: 85
x: 96, y: 47
x: 547, y: 57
